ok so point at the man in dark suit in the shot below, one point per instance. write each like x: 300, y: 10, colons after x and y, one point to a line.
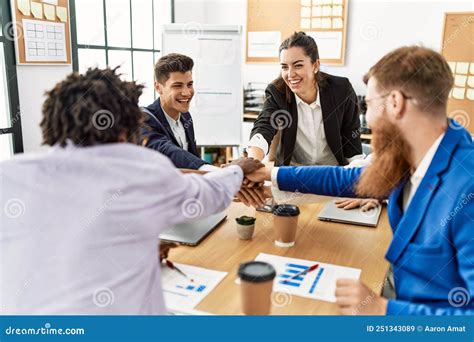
x: 168, y: 124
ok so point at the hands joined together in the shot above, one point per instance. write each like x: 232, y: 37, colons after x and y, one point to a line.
x: 252, y: 192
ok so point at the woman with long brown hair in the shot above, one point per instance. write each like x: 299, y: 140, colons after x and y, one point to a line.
x: 316, y: 113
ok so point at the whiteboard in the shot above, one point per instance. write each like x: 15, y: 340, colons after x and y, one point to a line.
x: 217, y: 105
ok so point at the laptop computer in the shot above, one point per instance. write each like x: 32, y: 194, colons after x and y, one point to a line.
x: 191, y: 233
x: 331, y: 212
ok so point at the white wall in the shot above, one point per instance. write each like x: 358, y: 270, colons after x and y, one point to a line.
x: 33, y: 81
x: 189, y: 11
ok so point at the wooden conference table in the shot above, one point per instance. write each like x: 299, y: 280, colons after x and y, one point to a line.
x: 336, y: 243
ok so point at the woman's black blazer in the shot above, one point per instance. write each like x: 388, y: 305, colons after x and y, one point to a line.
x: 340, y: 117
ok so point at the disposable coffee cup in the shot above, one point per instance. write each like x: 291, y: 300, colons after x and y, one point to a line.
x: 285, y: 222
x: 256, y: 283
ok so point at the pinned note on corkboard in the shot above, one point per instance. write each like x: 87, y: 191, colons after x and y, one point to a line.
x: 458, y: 49
x: 42, y: 31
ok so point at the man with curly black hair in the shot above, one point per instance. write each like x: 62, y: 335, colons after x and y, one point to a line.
x: 81, y: 223
x: 91, y: 109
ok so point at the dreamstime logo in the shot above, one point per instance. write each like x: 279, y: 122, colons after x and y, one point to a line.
x: 465, y: 199
x: 14, y: 208
x: 369, y: 31
x: 356, y: 133
x: 281, y: 297
x: 103, y: 297
x: 458, y: 296
x: 281, y: 119
x: 192, y: 30
x: 192, y: 208
x: 461, y: 117
x: 103, y: 119
x: 12, y: 28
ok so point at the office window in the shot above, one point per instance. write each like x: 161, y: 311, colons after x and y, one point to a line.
x: 120, y: 32
x: 10, y: 123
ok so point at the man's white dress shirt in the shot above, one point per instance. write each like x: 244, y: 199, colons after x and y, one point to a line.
x: 311, y: 146
x: 412, y: 185
x: 179, y: 133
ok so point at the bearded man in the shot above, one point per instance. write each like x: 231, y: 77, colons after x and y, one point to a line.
x: 424, y: 165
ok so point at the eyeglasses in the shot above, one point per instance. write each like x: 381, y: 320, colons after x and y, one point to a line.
x: 384, y: 96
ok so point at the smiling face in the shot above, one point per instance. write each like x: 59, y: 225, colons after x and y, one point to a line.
x: 176, y: 93
x: 298, y: 72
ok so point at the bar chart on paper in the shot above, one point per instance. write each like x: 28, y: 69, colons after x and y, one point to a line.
x: 182, y: 293
x: 319, y: 284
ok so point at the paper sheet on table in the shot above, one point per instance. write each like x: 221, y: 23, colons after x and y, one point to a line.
x: 319, y: 284
x: 180, y: 293
x: 264, y: 43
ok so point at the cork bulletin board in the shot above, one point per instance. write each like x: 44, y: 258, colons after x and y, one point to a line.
x: 42, y: 31
x: 458, y: 49
x: 269, y: 22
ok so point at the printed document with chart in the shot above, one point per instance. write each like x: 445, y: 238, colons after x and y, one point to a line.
x: 182, y: 293
x: 319, y: 284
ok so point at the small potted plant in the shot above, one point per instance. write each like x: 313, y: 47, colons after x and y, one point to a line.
x: 245, y: 227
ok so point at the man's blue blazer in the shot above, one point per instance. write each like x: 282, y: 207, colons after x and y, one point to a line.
x: 432, y: 250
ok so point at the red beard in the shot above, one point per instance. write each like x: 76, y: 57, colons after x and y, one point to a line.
x: 391, y: 162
